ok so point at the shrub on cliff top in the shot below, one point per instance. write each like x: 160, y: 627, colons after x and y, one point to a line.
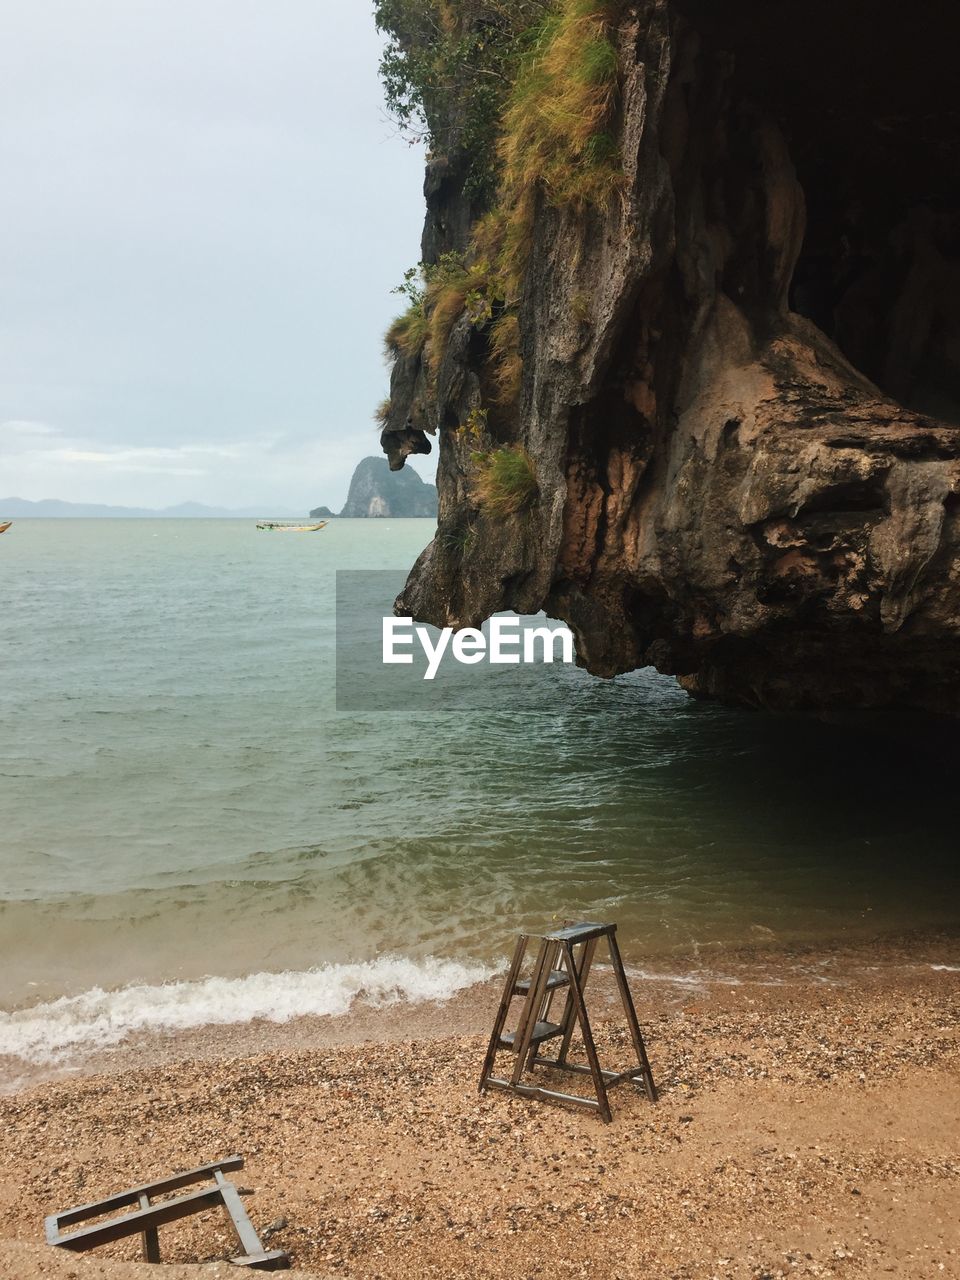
x: 447, y: 67
x: 551, y: 66
x: 506, y: 482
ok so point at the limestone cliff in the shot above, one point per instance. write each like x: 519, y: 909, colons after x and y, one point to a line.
x: 740, y: 373
x: 376, y: 491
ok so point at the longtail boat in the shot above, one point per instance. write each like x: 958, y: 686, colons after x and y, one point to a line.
x: 5, y: 525
x: 277, y: 526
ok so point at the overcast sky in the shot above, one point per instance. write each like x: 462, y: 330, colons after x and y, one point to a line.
x: 204, y: 209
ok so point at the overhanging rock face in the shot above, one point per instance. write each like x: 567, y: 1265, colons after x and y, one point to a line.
x: 741, y: 380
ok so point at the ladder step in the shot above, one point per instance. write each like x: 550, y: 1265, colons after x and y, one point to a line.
x: 557, y: 979
x: 583, y: 932
x: 542, y: 1031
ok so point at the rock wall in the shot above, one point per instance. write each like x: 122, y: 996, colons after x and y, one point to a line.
x: 741, y: 379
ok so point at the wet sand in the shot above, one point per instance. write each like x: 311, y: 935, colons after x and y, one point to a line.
x: 809, y: 1125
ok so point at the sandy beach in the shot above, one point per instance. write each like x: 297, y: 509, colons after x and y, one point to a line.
x: 609, y: 354
x: 807, y: 1126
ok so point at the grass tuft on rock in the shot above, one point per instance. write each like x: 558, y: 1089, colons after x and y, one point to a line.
x: 407, y: 336
x: 505, y: 358
x: 557, y: 127
x: 506, y: 482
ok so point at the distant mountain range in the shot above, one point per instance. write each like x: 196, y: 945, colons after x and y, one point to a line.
x: 375, y: 490
x: 19, y: 508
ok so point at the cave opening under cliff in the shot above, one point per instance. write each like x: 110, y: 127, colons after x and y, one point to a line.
x: 865, y: 95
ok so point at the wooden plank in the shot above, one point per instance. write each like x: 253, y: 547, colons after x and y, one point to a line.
x: 528, y: 1018
x: 583, y: 972
x: 132, y: 1196
x: 546, y: 1004
x: 610, y: 1077
x: 130, y: 1223
x: 249, y: 1240
x: 632, y: 1074
x: 545, y: 1095
x: 151, y: 1237
x: 541, y: 1031
x: 272, y: 1260
x: 591, y: 1048
x: 577, y: 933
x: 504, y: 1006
x: 557, y: 979
x: 635, y: 1034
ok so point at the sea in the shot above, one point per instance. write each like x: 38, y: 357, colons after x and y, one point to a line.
x: 192, y: 832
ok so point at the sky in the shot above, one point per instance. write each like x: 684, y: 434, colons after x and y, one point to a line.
x: 203, y: 211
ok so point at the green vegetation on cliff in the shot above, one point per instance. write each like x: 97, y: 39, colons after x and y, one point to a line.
x: 528, y: 91
x: 447, y: 68
x: 506, y: 481
x: 439, y: 294
x: 556, y: 136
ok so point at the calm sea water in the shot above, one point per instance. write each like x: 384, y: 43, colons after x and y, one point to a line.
x: 180, y: 802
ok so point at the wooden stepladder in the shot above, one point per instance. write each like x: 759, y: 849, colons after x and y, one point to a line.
x: 563, y: 963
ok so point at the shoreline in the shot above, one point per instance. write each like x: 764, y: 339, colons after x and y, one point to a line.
x: 659, y: 981
x: 807, y: 1126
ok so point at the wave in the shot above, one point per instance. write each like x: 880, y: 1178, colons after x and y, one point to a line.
x: 97, y: 1019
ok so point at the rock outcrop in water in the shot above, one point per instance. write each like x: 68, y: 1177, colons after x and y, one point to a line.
x: 740, y: 373
x: 375, y: 490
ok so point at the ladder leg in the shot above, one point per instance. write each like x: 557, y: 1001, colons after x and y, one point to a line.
x: 543, y: 1013
x: 630, y: 1011
x: 528, y: 1018
x: 577, y: 993
x: 583, y: 969
x: 501, y: 1017
x: 243, y: 1229
x: 150, y: 1235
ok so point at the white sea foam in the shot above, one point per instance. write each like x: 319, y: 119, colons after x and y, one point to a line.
x: 946, y: 968
x: 98, y: 1019
x: 698, y: 979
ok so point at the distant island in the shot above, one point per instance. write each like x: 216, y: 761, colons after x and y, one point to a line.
x: 376, y: 491
x: 19, y: 508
